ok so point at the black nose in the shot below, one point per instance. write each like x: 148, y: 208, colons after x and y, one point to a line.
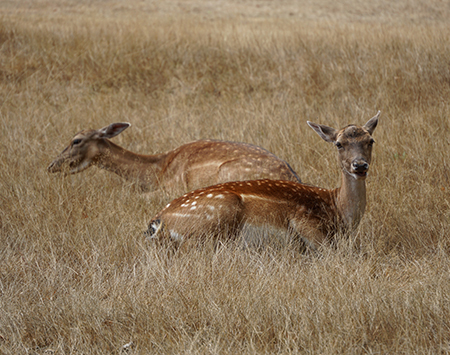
x: 360, y: 167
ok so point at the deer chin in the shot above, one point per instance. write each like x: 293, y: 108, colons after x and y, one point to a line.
x: 80, y: 167
x: 362, y: 175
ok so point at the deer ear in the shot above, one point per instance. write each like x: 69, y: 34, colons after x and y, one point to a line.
x: 112, y: 130
x: 372, y: 123
x: 327, y: 133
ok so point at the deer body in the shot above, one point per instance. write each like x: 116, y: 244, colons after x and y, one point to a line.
x: 311, y: 214
x: 192, y: 165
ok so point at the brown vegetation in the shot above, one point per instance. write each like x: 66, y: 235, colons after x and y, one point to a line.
x: 75, y: 273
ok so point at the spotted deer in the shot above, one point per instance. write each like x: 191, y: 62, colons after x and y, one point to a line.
x: 192, y: 165
x: 309, y: 214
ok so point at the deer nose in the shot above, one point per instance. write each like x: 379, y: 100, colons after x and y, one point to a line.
x: 360, y: 167
x: 52, y: 168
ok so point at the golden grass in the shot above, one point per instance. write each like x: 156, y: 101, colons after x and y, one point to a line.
x: 75, y: 273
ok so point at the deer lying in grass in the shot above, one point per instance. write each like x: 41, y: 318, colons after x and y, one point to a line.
x: 192, y: 165
x: 310, y: 214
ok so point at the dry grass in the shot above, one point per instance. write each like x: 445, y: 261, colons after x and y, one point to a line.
x: 75, y: 274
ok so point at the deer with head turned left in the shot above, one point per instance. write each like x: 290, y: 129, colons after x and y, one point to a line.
x: 191, y: 165
x: 312, y: 215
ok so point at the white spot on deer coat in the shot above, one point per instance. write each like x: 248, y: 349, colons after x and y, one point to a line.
x: 183, y: 215
x: 175, y: 236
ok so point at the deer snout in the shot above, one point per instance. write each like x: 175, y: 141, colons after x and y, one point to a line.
x: 360, y: 168
x: 54, y: 167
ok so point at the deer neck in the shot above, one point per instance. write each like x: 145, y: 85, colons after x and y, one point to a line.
x: 351, y: 201
x: 144, y: 169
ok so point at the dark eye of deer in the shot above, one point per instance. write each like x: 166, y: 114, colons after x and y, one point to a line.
x: 339, y: 145
x: 371, y: 142
x: 76, y: 141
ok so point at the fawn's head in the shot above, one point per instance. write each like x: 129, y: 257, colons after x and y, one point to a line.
x: 84, y: 149
x: 354, y: 144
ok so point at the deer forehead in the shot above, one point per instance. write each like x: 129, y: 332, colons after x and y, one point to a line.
x: 353, y: 134
x: 84, y: 134
x: 79, y: 135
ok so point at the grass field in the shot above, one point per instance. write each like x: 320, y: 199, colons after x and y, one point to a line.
x: 76, y: 275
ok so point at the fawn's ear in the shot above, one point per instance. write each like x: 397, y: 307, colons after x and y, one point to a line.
x: 372, y: 123
x: 327, y: 133
x: 113, y: 130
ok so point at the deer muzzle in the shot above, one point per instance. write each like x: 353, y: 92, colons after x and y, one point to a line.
x: 360, y: 168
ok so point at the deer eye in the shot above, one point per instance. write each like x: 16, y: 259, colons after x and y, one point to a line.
x: 371, y: 142
x: 338, y: 145
x: 76, y: 141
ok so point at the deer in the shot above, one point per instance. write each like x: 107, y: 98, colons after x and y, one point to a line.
x: 310, y: 215
x: 193, y: 165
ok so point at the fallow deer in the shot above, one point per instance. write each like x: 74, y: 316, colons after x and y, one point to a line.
x: 309, y: 214
x: 192, y: 165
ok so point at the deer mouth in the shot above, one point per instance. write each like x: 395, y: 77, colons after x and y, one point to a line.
x: 54, y: 167
x: 357, y: 174
x: 67, y: 168
x: 361, y: 174
x: 359, y: 169
x: 77, y: 166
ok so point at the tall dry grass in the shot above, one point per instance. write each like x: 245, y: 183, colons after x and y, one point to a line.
x: 75, y: 273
